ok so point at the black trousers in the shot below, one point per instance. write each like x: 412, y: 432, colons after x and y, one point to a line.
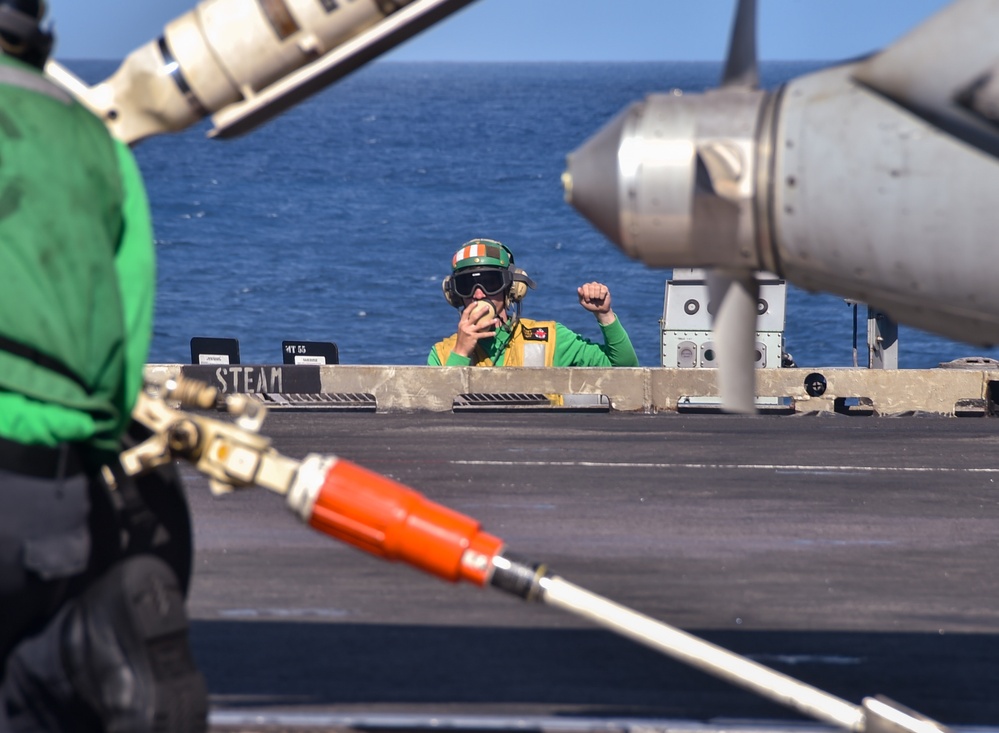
x: 45, y: 552
x: 60, y: 532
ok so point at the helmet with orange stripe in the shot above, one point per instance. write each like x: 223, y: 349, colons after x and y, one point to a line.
x: 487, y: 265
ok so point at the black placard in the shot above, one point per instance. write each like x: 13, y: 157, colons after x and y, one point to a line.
x: 214, y: 350
x: 309, y: 352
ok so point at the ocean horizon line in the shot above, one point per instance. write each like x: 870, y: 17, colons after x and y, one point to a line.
x: 539, y: 62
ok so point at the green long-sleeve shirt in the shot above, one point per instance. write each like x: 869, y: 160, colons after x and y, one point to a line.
x: 77, y: 269
x: 571, y: 349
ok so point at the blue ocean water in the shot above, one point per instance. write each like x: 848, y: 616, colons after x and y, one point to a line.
x: 336, y: 221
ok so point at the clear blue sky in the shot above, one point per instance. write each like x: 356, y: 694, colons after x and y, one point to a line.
x: 561, y: 30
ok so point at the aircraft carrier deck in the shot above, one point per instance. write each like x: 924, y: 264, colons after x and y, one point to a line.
x: 854, y: 552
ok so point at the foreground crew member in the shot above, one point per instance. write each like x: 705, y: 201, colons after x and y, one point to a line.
x: 88, y: 640
x: 487, y: 289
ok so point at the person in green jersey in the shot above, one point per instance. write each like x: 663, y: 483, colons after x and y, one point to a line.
x: 91, y: 638
x: 487, y: 289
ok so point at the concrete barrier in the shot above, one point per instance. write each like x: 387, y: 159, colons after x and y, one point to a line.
x: 946, y: 391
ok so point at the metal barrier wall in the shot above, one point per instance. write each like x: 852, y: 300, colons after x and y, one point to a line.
x: 963, y: 392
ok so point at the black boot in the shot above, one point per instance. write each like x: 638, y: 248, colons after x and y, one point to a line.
x: 125, y: 649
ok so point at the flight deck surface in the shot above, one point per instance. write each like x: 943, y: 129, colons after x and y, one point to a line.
x: 854, y: 553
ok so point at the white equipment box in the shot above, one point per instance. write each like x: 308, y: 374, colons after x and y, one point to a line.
x: 686, y: 322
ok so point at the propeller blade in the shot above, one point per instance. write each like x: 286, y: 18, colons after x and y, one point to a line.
x: 740, y: 66
x: 946, y: 72
x: 734, y: 295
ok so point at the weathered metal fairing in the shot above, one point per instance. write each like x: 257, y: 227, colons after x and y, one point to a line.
x: 873, y: 202
x: 246, y: 61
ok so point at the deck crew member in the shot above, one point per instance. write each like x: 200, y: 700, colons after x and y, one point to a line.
x: 487, y: 289
x: 90, y: 639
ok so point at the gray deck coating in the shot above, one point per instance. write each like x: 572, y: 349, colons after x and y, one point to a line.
x: 855, y: 553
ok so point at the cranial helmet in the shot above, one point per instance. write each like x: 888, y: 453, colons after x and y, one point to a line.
x: 480, y: 256
x: 482, y: 253
x: 21, y: 32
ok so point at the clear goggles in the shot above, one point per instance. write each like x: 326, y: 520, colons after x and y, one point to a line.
x: 492, y: 282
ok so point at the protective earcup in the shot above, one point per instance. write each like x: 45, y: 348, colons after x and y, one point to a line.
x: 517, y: 291
x: 521, y: 282
x: 447, y: 285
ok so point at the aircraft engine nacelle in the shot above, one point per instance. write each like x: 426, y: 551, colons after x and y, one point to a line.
x: 671, y: 180
x: 825, y: 182
x: 874, y: 180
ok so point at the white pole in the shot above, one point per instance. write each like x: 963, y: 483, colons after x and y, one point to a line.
x: 703, y: 655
